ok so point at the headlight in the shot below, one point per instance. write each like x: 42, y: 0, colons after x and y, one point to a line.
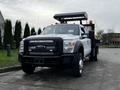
x: 21, y: 49
x: 68, y: 46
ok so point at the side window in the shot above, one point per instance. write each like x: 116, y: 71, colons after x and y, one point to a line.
x: 82, y: 31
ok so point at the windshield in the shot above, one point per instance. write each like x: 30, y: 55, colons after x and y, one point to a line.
x: 62, y: 29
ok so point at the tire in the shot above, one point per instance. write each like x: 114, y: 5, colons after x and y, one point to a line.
x: 28, y: 69
x: 78, y: 64
x: 93, y: 55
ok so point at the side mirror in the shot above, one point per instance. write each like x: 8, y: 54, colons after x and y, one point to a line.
x: 85, y: 35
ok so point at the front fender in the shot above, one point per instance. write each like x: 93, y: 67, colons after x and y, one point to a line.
x: 77, y: 47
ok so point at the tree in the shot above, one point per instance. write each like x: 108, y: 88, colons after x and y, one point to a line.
x: 8, y: 37
x: 99, y: 34
x: 39, y: 31
x: 17, y: 33
x: 110, y: 31
x: 33, y: 31
x: 26, y: 31
x: 0, y: 40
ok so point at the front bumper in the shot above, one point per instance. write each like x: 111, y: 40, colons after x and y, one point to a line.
x: 49, y: 61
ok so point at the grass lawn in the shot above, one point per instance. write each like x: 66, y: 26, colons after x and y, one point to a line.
x: 109, y: 46
x: 6, y: 61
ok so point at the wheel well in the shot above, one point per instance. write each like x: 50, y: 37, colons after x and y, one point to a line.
x: 81, y: 50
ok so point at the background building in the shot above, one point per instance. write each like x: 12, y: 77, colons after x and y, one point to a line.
x: 1, y: 25
x: 111, y: 38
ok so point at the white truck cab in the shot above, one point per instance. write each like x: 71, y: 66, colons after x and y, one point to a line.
x: 59, y: 45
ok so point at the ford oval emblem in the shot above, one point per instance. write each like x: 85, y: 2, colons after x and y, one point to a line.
x: 41, y: 46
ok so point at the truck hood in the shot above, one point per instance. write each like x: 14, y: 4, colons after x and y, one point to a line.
x: 63, y: 36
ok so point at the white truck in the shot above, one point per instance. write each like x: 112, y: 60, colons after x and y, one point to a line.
x: 60, y: 45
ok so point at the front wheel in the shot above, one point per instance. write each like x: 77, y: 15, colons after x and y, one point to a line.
x: 78, y: 64
x: 28, y: 69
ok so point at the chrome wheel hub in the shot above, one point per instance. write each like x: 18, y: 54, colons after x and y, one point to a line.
x: 80, y: 65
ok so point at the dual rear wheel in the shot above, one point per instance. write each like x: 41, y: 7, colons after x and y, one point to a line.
x: 93, y: 54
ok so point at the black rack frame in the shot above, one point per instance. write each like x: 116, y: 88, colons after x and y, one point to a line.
x: 77, y: 16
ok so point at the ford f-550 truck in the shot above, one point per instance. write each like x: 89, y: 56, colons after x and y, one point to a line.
x: 60, y: 44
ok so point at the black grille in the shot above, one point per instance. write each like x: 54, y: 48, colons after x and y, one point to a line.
x: 44, y: 46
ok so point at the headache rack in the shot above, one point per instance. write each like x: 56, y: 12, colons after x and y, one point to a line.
x: 77, y: 16
x: 65, y: 17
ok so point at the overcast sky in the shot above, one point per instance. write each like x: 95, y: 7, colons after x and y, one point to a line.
x: 39, y: 13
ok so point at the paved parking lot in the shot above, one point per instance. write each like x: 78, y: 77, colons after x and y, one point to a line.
x: 101, y: 75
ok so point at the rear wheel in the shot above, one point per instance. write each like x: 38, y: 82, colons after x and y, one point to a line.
x: 28, y: 69
x: 93, y: 55
x: 78, y: 64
